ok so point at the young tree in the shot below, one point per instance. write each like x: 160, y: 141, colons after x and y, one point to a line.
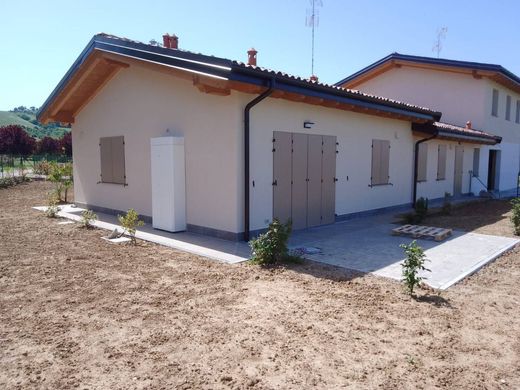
x: 14, y: 140
x: 66, y: 144
x: 48, y: 145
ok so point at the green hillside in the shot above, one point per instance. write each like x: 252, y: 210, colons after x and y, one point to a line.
x: 31, y: 125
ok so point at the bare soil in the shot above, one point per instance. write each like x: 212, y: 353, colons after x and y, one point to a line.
x: 487, y: 217
x: 78, y: 312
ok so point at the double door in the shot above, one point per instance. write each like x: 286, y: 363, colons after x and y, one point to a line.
x: 304, y: 170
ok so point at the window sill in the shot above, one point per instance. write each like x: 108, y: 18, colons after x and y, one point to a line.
x: 380, y: 185
x: 117, y: 184
x: 422, y: 181
x: 440, y: 179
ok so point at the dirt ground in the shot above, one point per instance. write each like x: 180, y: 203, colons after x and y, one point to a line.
x: 488, y: 217
x: 78, y: 312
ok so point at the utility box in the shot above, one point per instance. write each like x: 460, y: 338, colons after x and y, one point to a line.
x: 168, y: 184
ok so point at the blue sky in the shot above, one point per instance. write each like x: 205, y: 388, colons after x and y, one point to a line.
x: 39, y: 40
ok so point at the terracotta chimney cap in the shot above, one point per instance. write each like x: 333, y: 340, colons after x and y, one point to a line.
x: 468, y: 125
x: 170, y: 41
x: 251, y: 56
x: 314, y: 78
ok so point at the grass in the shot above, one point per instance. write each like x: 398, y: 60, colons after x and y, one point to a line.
x: 37, y: 131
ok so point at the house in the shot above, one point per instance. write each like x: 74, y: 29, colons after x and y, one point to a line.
x: 221, y: 147
x: 481, y: 96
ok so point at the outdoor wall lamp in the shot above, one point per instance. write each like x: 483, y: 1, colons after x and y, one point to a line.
x: 308, y: 124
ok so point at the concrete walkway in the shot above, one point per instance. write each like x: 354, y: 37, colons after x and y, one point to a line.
x: 366, y: 245
x: 222, y: 250
x: 363, y: 244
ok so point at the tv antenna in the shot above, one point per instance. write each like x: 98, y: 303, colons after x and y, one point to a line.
x: 441, y: 35
x: 313, y: 21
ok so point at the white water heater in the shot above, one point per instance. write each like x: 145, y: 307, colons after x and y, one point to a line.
x: 168, y: 184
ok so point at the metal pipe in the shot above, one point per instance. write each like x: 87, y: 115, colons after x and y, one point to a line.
x: 416, y: 165
x: 247, y: 110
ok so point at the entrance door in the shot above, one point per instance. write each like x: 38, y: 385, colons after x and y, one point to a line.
x: 314, y: 183
x: 304, y: 169
x: 328, y: 182
x: 457, y: 179
x: 492, y: 171
x: 282, y: 175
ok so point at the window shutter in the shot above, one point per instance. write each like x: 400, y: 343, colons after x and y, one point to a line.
x: 494, y: 106
x: 118, y: 160
x: 422, y: 164
x: 376, y: 162
x: 476, y: 161
x: 385, y: 162
x: 105, y: 146
x: 441, y: 163
x: 508, y: 108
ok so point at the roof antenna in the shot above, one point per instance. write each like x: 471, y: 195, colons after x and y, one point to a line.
x: 313, y: 21
x: 441, y: 35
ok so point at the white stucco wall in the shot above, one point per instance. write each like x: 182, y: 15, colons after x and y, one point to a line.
x: 460, y: 98
x: 354, y: 134
x: 141, y: 104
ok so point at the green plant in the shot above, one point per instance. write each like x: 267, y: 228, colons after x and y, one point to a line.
x: 42, y: 168
x: 61, y: 176
x: 129, y: 222
x: 414, y: 262
x: 515, y: 218
x: 421, y: 208
x: 87, y: 218
x: 52, y: 206
x: 271, y: 246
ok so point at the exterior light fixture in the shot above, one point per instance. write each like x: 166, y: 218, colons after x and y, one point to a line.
x: 308, y: 124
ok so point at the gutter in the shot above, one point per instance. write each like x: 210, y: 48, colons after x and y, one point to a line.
x: 416, y: 165
x: 247, y: 110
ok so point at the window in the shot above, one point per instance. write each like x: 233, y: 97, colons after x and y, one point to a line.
x: 508, y: 108
x: 112, y: 151
x: 517, y: 120
x: 476, y: 161
x: 441, y: 163
x: 422, y: 162
x: 494, y: 107
x: 380, y: 162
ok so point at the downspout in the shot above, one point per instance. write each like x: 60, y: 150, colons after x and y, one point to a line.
x: 247, y: 109
x: 416, y: 165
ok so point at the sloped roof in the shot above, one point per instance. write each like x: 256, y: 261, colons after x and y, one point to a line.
x: 453, y: 132
x: 477, y: 69
x: 217, y: 67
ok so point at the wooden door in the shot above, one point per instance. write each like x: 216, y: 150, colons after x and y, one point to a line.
x: 314, y: 166
x: 328, y: 185
x: 282, y: 172
x: 299, y: 180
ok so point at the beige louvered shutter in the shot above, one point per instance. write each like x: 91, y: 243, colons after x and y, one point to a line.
x: 384, y: 172
x: 105, y: 146
x: 441, y: 163
x: 422, y: 162
x: 118, y: 160
x: 376, y: 162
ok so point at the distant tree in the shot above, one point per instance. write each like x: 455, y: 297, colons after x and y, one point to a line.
x: 66, y: 144
x: 15, y: 140
x: 48, y: 145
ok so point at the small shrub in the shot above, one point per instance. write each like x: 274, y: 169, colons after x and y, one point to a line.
x: 42, y: 168
x: 61, y: 176
x: 515, y: 218
x: 87, y: 218
x: 446, y: 205
x: 130, y: 222
x: 414, y: 262
x: 52, y: 207
x: 271, y: 247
